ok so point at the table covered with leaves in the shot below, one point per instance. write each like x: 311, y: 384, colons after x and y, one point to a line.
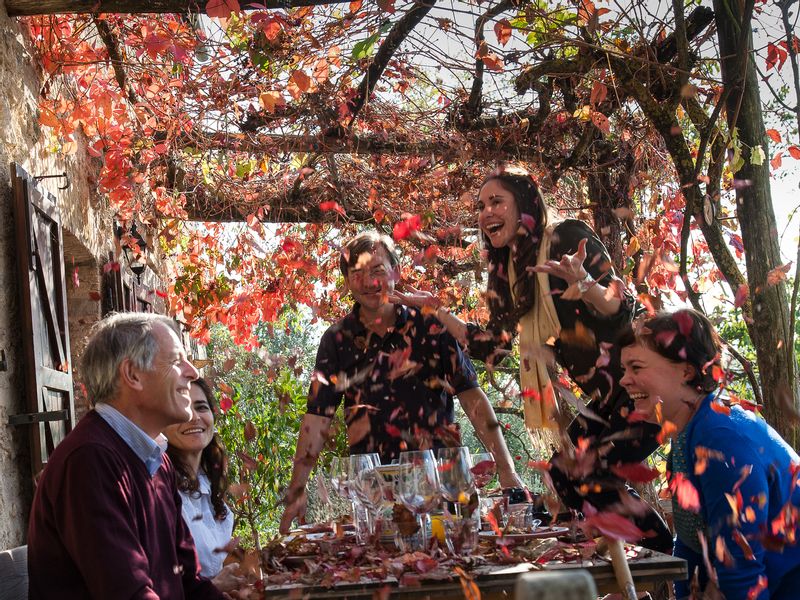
x: 331, y: 566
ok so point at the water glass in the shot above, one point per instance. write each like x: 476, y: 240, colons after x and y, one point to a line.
x: 418, y: 487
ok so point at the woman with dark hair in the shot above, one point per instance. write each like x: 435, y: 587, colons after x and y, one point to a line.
x: 201, y: 466
x: 552, y: 281
x: 734, y: 479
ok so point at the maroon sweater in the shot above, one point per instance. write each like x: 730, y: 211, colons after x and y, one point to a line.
x: 102, y: 528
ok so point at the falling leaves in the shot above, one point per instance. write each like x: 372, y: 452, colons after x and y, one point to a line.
x: 684, y: 492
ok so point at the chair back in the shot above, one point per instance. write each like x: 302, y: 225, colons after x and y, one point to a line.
x: 556, y: 585
x: 14, y: 574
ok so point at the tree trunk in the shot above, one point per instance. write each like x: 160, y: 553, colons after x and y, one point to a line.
x: 769, y: 329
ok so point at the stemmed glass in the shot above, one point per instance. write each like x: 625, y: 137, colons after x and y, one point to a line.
x: 484, y: 468
x: 455, y: 476
x: 367, y: 486
x: 418, y: 486
x: 483, y: 471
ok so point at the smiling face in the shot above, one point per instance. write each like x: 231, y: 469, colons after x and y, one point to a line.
x: 371, y: 280
x: 164, y: 397
x: 651, y: 379
x: 192, y: 437
x: 498, y: 213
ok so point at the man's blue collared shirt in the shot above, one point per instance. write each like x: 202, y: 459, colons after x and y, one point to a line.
x: 145, y: 447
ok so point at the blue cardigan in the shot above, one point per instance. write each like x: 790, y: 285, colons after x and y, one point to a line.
x: 742, y: 439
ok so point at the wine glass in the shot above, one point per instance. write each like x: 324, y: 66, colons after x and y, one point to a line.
x: 455, y: 476
x: 367, y: 486
x: 340, y: 476
x: 484, y: 468
x: 418, y: 486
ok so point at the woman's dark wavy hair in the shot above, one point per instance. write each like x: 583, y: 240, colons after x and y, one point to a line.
x: 681, y: 336
x: 213, y: 460
x: 504, y: 313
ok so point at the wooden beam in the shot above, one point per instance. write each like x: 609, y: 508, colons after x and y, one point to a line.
x: 20, y: 8
x: 514, y: 145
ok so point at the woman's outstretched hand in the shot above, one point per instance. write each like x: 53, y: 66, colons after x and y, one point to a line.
x: 569, y: 268
x: 411, y: 296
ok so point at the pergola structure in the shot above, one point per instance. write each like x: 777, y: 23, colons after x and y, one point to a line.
x: 390, y: 113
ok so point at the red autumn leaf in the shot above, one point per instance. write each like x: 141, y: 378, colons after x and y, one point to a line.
x: 635, y: 472
x: 222, y: 8
x: 503, y: 30
x: 774, y: 135
x: 776, y: 55
x: 111, y: 265
x: 95, y: 296
x: 599, y: 92
x: 613, y: 526
x: 161, y: 294
x: 794, y: 152
x: 355, y: 6
x: 386, y: 5
x: 743, y: 544
x: 601, y: 122
x: 225, y: 403
x: 684, y: 492
x: 332, y: 205
x: 742, y: 292
x: 392, y: 430
x: 755, y: 591
x: 778, y: 274
x: 776, y: 161
x: 403, y: 229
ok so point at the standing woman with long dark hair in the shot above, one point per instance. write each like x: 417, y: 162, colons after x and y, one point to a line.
x: 201, y: 467
x: 553, y: 283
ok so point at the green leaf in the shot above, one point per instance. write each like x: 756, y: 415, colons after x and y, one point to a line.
x: 366, y: 47
x: 757, y: 156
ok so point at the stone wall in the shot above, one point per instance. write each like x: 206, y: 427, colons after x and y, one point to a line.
x: 88, y: 239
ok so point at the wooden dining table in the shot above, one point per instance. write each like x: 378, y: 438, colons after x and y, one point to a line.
x: 648, y: 568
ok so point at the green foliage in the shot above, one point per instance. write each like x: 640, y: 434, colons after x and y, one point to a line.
x: 266, y: 391
x: 733, y: 330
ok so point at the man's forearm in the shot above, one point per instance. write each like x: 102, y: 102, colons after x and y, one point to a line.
x: 313, y: 434
x: 481, y: 414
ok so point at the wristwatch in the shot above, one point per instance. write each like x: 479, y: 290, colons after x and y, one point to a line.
x: 586, y: 283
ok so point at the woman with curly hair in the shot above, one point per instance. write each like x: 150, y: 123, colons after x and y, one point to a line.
x: 552, y: 283
x: 201, y: 466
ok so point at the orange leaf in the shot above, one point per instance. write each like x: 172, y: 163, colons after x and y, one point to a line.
x: 794, y: 151
x: 493, y: 62
x: 719, y: 407
x: 601, y: 122
x: 222, y: 8
x: 502, y: 29
x: 774, y: 135
x: 776, y: 161
x: 301, y: 80
x: 355, y: 6
x: 778, y: 274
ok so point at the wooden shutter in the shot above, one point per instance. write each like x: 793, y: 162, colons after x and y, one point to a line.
x: 45, y: 330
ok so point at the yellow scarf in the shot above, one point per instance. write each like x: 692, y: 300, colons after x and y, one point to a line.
x: 536, y: 327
